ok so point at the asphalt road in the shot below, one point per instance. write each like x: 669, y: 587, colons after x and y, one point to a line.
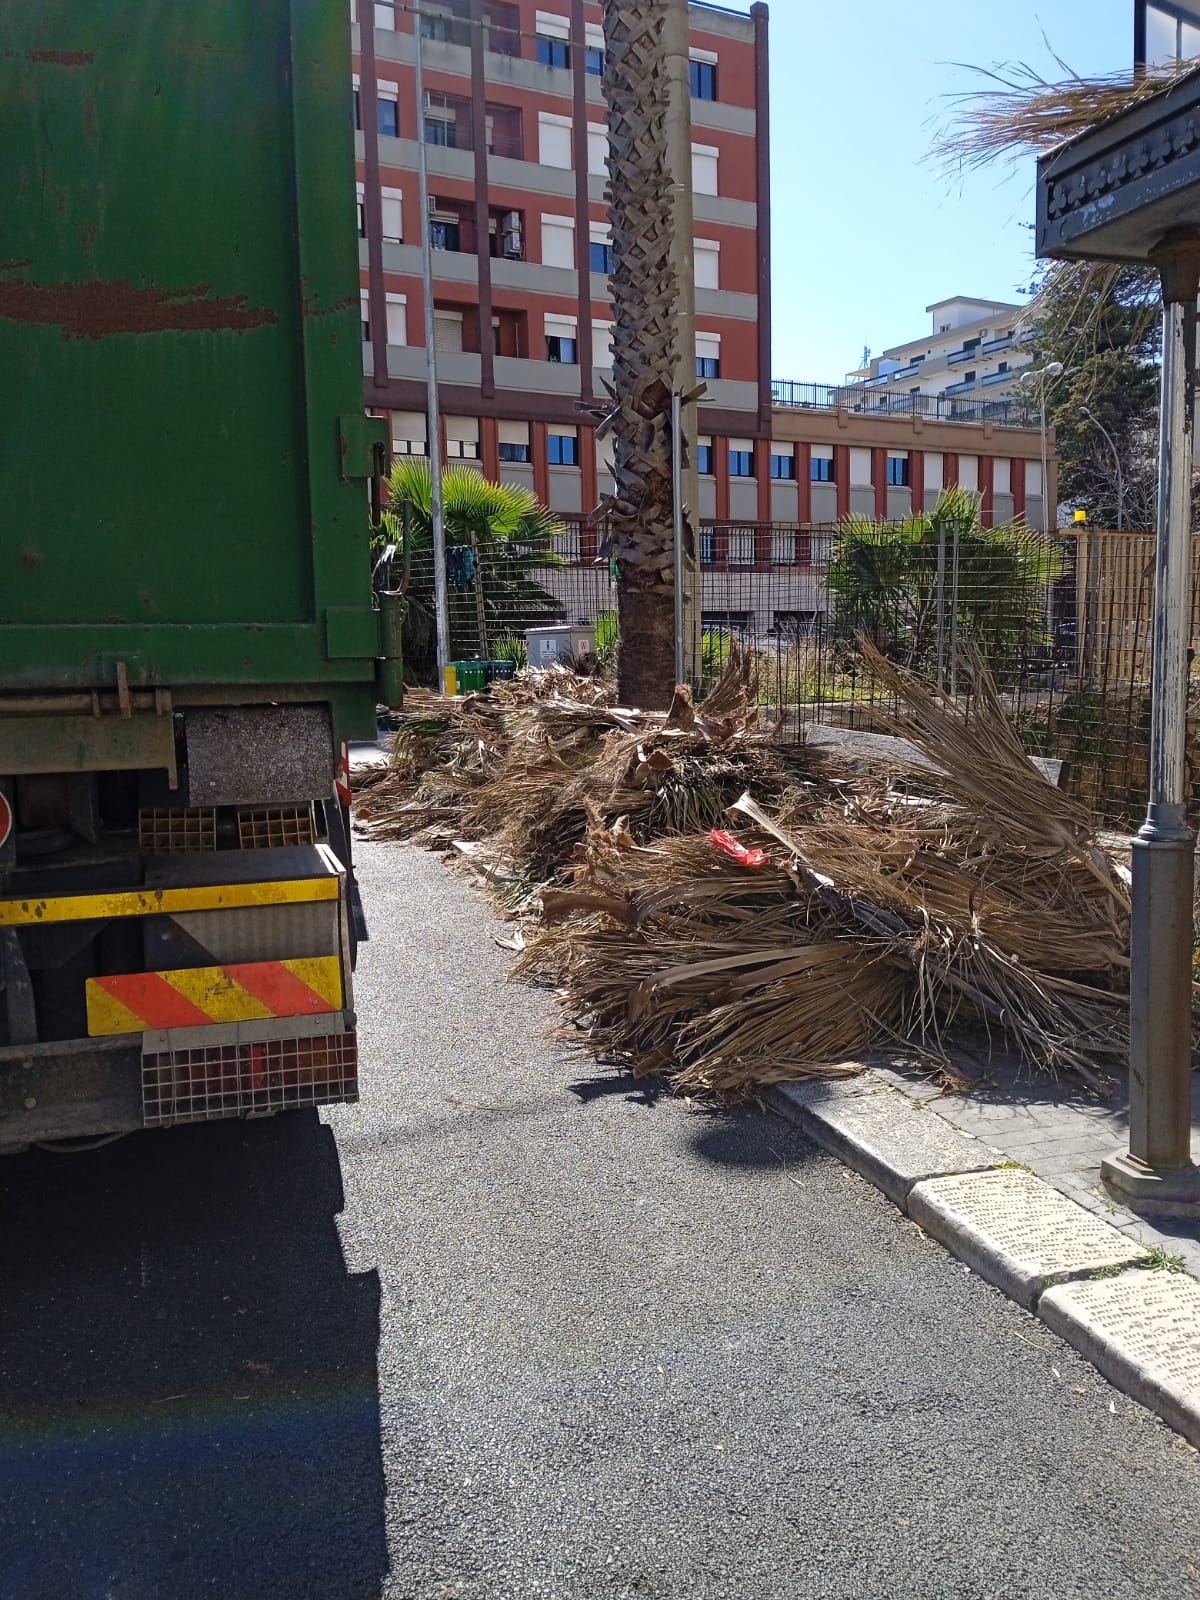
x: 487, y: 1335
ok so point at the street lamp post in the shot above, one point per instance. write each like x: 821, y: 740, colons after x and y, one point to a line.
x: 1100, y: 197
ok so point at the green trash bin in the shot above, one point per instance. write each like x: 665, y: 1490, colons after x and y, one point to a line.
x: 470, y: 676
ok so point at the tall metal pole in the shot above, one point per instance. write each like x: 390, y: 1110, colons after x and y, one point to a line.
x: 954, y: 613
x: 1156, y: 1173
x: 677, y: 510
x: 941, y: 606
x: 433, y: 409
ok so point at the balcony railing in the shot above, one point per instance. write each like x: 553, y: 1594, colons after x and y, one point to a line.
x: 950, y: 406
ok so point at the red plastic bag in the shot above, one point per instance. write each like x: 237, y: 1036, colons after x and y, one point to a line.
x: 739, y: 852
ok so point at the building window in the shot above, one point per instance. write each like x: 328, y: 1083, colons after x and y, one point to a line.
x: 444, y: 234
x: 393, y: 216
x: 822, y: 469
x: 594, y: 61
x: 389, y: 118
x: 447, y: 121
x: 397, y: 319
x: 597, y: 137
x: 553, y: 52
x: 555, y: 136
x: 463, y: 449
x: 897, y: 472
x: 600, y: 257
x: 357, y: 111
x: 562, y: 350
x: 503, y: 132
x: 704, y: 80
x: 741, y: 463
x: 563, y: 449
x: 704, y: 459
x: 783, y: 468
x: 708, y: 366
x: 443, y: 27
x: 708, y: 264
x: 362, y: 217
x: 514, y: 452
x: 705, y: 161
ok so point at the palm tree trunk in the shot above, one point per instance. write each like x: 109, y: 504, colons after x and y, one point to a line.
x: 646, y: 288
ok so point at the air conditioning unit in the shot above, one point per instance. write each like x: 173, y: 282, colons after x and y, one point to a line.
x: 510, y: 221
x: 431, y: 205
x: 510, y: 238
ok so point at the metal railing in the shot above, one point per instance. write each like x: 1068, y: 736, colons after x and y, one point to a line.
x: 947, y: 407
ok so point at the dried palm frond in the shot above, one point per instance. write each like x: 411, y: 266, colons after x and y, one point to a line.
x: 1020, y: 111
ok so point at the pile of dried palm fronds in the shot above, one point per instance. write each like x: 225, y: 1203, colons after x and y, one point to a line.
x: 858, y: 918
x: 528, y: 770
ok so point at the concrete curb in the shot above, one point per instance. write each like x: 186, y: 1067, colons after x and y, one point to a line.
x: 1142, y: 1329
x: 1086, y: 1280
x: 878, y: 1132
x: 1018, y: 1232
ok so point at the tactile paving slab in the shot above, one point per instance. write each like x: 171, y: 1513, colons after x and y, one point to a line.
x: 1018, y: 1232
x: 893, y: 1142
x: 1142, y: 1329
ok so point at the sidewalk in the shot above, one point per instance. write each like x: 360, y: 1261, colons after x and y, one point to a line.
x: 1006, y: 1176
x: 1060, y: 1134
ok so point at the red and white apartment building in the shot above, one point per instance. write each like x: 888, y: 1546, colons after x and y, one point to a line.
x: 514, y: 125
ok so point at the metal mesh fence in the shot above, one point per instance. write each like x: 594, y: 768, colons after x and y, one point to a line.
x: 1064, y: 626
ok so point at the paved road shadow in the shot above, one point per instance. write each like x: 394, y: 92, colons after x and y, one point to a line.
x: 748, y: 1137
x: 188, y: 1387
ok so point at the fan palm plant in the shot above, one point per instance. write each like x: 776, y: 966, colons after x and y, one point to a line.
x: 883, y: 581
x: 509, y: 534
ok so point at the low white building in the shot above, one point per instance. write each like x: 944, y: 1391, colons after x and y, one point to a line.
x: 974, y: 350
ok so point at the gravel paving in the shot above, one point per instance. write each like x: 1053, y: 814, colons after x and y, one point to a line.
x: 513, y: 1328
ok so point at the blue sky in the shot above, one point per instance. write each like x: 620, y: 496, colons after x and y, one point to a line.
x: 865, y: 233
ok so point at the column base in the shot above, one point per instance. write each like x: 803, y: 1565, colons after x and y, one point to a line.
x: 1151, y: 1191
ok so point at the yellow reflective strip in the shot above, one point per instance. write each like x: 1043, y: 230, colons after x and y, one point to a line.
x: 217, y: 994
x: 153, y: 902
x: 321, y: 973
x: 105, y: 1014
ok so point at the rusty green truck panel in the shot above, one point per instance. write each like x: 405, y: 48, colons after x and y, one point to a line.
x: 179, y: 343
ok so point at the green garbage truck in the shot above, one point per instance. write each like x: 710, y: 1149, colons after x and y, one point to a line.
x: 187, y: 632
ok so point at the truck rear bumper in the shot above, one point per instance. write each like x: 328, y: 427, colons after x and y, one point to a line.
x: 86, y: 1088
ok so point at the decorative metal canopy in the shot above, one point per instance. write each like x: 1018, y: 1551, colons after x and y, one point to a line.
x: 1114, y: 192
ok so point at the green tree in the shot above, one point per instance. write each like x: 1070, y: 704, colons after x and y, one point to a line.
x: 883, y: 582
x: 1104, y: 325
x: 509, y: 535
